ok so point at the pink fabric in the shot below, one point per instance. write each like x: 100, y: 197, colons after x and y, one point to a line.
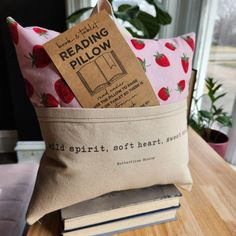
x: 167, y: 62
x: 44, y: 85
x: 168, y: 65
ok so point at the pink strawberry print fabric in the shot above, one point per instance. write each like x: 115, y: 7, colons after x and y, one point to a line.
x: 167, y: 63
x: 44, y: 85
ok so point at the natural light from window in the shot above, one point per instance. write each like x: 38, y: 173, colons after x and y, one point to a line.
x: 222, y: 61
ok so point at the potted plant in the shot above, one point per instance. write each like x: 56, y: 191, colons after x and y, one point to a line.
x: 139, y: 23
x: 203, y: 120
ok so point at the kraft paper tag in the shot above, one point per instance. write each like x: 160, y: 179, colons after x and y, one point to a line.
x: 99, y: 66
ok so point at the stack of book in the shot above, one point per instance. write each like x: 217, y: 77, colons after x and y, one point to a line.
x: 120, y: 211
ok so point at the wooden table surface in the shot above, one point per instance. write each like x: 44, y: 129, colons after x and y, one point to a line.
x: 209, y: 209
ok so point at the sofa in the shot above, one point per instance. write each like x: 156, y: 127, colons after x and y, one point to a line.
x: 16, y: 186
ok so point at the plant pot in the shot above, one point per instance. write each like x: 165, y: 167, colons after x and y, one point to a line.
x: 217, y: 140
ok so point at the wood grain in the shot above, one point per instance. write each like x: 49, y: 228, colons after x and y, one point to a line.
x: 209, y: 209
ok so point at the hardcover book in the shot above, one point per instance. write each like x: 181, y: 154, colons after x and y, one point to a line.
x: 124, y: 224
x: 120, y: 204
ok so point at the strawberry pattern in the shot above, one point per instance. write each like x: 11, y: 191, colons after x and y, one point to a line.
x: 39, y: 58
x: 142, y: 63
x: 181, y: 86
x: 189, y: 40
x: 40, y: 31
x: 166, y: 62
x: 63, y: 91
x: 170, y: 46
x: 169, y: 65
x: 138, y: 44
x: 48, y: 100
x: 185, y: 63
x: 164, y: 93
x: 13, y: 26
x: 161, y: 59
x: 44, y: 85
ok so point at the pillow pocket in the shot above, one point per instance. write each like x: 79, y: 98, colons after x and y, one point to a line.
x: 90, y: 152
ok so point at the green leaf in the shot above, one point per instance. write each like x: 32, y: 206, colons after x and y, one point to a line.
x: 210, y: 82
x: 226, y: 121
x: 134, y: 34
x: 206, y: 118
x: 217, y: 111
x: 146, y: 23
x: 200, y: 119
x: 127, y: 13
x: 140, y: 20
x: 211, y: 96
x: 77, y: 14
x: 193, y: 124
x: 208, y: 87
x: 123, y: 7
x: 206, y: 114
x: 150, y: 22
x: 162, y: 17
x: 221, y: 95
x: 140, y: 26
x: 197, y: 127
x: 214, y: 108
x: 216, y: 88
x: 152, y: 2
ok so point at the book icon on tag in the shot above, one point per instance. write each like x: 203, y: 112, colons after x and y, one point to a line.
x: 102, y: 72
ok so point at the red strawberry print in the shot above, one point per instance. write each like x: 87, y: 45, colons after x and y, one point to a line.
x: 48, y: 100
x: 143, y: 63
x: 161, y: 60
x: 40, y: 31
x: 189, y: 41
x: 185, y: 63
x: 138, y: 44
x: 181, y: 86
x: 39, y: 57
x: 63, y: 91
x: 170, y: 46
x: 13, y: 29
x: 164, y: 93
x: 29, y: 88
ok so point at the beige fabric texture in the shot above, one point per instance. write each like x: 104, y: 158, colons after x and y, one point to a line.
x: 90, y: 152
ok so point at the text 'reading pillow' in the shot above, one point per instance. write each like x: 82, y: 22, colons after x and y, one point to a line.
x: 167, y: 63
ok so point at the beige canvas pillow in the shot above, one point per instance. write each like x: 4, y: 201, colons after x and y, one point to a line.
x: 90, y: 152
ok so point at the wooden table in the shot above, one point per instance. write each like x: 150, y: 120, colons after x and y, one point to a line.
x: 209, y: 209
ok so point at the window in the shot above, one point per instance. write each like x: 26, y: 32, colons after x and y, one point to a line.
x: 216, y: 57
x: 222, y: 60
x: 222, y: 64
